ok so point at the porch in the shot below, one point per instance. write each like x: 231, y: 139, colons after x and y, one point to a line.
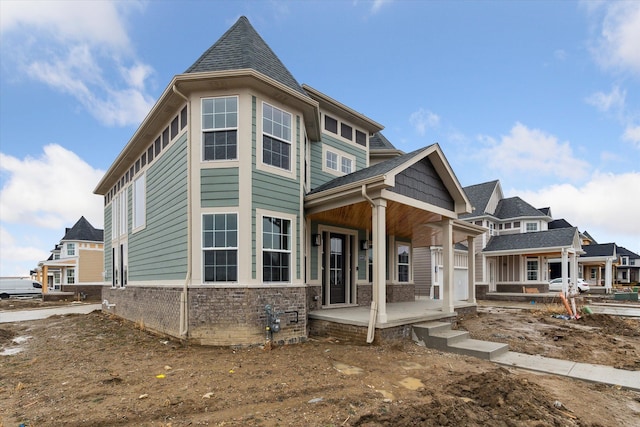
x: 352, y: 323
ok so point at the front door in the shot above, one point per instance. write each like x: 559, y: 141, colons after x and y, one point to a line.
x: 336, y: 261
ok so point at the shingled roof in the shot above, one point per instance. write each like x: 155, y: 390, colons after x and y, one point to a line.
x: 599, y: 250
x: 560, y: 237
x: 83, y: 231
x: 515, y: 207
x: 370, y: 172
x: 241, y: 47
x: 479, y: 196
x: 379, y: 142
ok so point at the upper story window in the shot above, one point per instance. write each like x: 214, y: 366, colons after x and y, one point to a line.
x: 139, y: 202
x: 220, y: 247
x: 331, y: 160
x: 71, y: 249
x: 330, y: 124
x: 491, y: 228
x: 276, y: 139
x: 361, y: 138
x: 347, y: 165
x: 532, y: 226
x: 624, y: 260
x: 337, y: 162
x: 220, y: 128
x: 346, y: 131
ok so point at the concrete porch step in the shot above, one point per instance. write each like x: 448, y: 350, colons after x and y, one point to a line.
x: 440, y: 336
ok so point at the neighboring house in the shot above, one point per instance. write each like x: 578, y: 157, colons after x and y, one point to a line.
x: 519, y: 250
x: 597, y: 263
x: 243, y: 190
x: 76, y: 263
x: 628, y: 268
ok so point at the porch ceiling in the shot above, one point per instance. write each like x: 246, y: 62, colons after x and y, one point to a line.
x: 408, y: 222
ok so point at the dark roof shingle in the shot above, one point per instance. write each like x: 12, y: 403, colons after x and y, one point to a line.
x: 83, y: 231
x: 515, y: 207
x: 241, y: 47
x: 560, y: 237
x: 479, y: 196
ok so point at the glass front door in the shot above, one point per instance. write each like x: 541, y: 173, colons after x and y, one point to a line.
x: 336, y: 280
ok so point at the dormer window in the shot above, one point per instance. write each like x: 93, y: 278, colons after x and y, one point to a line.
x: 532, y: 226
x: 71, y: 249
x: 220, y: 128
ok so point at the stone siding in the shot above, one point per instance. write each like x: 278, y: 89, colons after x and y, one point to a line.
x: 401, y: 292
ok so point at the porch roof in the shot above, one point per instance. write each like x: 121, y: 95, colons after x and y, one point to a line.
x: 537, y: 242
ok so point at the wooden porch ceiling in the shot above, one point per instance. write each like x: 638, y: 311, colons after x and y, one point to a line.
x: 402, y: 221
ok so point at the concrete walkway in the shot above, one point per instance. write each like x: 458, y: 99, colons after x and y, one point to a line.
x: 581, y: 371
x: 43, y: 313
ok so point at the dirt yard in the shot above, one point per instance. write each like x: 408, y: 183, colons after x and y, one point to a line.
x: 95, y: 370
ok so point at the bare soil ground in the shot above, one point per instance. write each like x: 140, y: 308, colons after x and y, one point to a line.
x: 97, y: 370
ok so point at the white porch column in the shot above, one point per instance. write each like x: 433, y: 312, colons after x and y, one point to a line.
x: 565, y: 273
x: 447, y: 266
x: 379, y: 229
x: 573, y: 265
x: 471, y: 269
x: 607, y: 276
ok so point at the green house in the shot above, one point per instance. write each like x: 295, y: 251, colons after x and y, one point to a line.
x: 246, y: 206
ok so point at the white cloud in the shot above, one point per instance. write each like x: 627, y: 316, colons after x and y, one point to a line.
x: 423, y: 119
x: 632, y: 134
x: 608, y: 101
x: 69, y: 45
x: 52, y: 191
x: 18, y: 257
x: 526, y: 150
x: 605, y: 203
x: 616, y: 45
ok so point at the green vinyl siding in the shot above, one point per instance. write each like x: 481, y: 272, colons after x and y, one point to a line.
x: 219, y: 187
x: 108, y: 258
x: 318, y: 177
x: 159, y: 251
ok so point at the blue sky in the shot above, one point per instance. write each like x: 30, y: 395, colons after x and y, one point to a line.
x: 542, y: 95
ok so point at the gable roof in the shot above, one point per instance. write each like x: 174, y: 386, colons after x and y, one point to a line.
x: 599, y: 250
x: 626, y: 252
x: 241, y: 47
x: 558, y: 238
x: 586, y: 235
x: 546, y: 211
x: 558, y: 223
x: 515, y: 207
x: 479, y: 196
x: 82, y: 230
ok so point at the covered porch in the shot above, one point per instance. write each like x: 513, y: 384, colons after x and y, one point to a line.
x: 414, y: 198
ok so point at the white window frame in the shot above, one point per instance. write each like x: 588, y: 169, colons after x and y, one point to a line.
x: 531, y: 227
x: 262, y: 165
x: 139, y: 208
x: 71, y: 249
x: 214, y: 129
x: 527, y: 270
x: 340, y: 157
x: 214, y: 248
x: 624, y: 260
x: 70, y: 274
x: 293, y: 261
x: 398, y: 263
x: 342, y: 165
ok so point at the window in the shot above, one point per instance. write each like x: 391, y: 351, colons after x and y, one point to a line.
x: 625, y: 260
x: 346, y: 131
x: 532, y: 226
x: 174, y: 127
x: 150, y: 153
x: 139, y: 202
x: 331, y: 160
x: 220, y: 128
x: 122, y: 214
x: 507, y: 226
x: 276, y: 249
x: 347, y: 165
x: 516, y: 224
x: 491, y: 228
x: 276, y: 141
x: 361, y: 138
x: 594, y: 273
x: 331, y: 124
x: 532, y: 269
x: 183, y: 118
x: 71, y: 276
x: 157, y: 146
x: 403, y: 263
x: 71, y: 249
x: 220, y: 247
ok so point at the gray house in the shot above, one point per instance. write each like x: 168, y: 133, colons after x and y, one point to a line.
x: 519, y: 250
x: 245, y: 197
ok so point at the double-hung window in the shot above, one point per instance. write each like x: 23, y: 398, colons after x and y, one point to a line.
x: 404, y: 263
x: 220, y: 128
x: 220, y: 247
x: 276, y: 249
x: 71, y: 276
x: 331, y: 160
x: 532, y: 269
x: 71, y: 249
x: 347, y: 165
x: 276, y: 138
